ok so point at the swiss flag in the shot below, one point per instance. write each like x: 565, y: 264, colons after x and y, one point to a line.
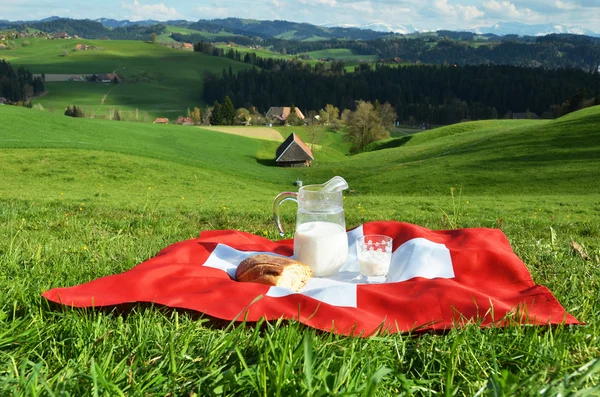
x: 437, y: 280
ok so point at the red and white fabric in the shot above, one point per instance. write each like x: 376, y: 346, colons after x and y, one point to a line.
x: 437, y: 280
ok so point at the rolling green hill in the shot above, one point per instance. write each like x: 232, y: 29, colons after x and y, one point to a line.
x: 82, y: 199
x: 161, y: 81
x: 488, y: 158
x: 493, y: 158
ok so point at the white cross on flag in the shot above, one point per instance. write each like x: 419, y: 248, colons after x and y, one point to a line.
x: 437, y: 280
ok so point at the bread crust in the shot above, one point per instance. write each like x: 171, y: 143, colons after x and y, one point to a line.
x: 271, y: 270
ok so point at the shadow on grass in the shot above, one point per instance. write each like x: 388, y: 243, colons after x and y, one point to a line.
x: 266, y: 162
x: 392, y: 143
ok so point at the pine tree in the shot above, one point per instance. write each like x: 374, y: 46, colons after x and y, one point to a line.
x: 216, y: 117
x: 228, y: 112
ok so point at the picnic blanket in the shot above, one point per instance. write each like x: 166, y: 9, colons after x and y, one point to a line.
x: 437, y: 280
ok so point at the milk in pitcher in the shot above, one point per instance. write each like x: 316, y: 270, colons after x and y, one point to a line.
x: 321, y: 245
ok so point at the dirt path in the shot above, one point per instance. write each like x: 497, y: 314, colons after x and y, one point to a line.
x: 268, y: 133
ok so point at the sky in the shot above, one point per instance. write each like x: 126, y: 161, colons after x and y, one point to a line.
x: 421, y: 14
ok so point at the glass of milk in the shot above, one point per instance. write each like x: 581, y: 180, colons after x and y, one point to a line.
x: 374, y: 252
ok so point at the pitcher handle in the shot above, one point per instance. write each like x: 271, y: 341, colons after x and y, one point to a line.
x: 285, y: 196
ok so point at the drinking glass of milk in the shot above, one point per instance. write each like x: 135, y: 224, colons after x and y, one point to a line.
x: 374, y: 252
x: 320, y: 239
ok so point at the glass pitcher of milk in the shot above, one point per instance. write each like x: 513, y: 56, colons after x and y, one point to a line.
x: 320, y: 239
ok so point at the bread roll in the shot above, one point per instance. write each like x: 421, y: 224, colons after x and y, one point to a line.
x: 273, y: 270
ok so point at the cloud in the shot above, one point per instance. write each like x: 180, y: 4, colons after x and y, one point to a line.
x: 214, y: 11
x: 504, y: 9
x: 564, y: 5
x: 507, y: 10
x: 363, y: 7
x: 150, y: 11
x: 330, y: 3
x: 457, y: 13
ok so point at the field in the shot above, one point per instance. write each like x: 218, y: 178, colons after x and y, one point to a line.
x: 166, y: 37
x: 342, y: 54
x: 80, y: 199
x: 250, y: 132
x: 161, y: 81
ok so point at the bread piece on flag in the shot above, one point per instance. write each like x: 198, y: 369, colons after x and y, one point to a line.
x: 274, y: 270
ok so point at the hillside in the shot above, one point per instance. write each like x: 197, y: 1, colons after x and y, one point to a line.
x: 159, y: 81
x: 492, y: 158
x: 502, y: 157
x: 284, y: 29
x: 82, y: 199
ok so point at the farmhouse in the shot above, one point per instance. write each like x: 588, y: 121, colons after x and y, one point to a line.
x: 294, y: 153
x: 188, y: 45
x: 282, y: 113
x: 185, y: 120
x: 81, y: 47
x: 2, y: 46
x: 161, y: 121
x: 61, y: 35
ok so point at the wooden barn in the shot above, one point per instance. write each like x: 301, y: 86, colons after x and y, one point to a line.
x: 294, y: 153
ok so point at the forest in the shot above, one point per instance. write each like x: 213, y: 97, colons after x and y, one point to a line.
x: 18, y: 85
x: 549, y: 52
x: 442, y: 94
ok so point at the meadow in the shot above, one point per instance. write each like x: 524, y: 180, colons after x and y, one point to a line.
x: 150, y: 84
x: 81, y: 199
x: 341, y: 54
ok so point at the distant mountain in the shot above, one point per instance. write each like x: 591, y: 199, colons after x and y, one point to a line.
x: 285, y: 29
x: 50, y: 19
x: 113, y: 23
x: 89, y: 29
x: 304, y: 31
x: 521, y: 29
x: 386, y: 27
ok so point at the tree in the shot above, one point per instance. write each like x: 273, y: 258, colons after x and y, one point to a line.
x: 207, y: 115
x: 364, y: 126
x: 345, y: 116
x: 330, y: 115
x: 315, y: 132
x: 195, y: 115
x: 292, y: 118
x: 74, y: 111
x: 243, y: 115
x: 216, y: 117
x: 388, y: 115
x: 227, y: 112
x: 153, y: 38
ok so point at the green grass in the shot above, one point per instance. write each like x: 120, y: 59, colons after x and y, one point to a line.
x: 263, y: 53
x: 342, y: 54
x: 161, y: 81
x: 289, y: 35
x: 81, y: 199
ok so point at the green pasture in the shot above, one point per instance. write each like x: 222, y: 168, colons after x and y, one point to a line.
x: 161, y: 81
x: 182, y: 30
x: 262, y: 52
x: 342, y: 54
x: 81, y: 199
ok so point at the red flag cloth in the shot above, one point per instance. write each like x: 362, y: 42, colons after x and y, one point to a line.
x: 437, y: 280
